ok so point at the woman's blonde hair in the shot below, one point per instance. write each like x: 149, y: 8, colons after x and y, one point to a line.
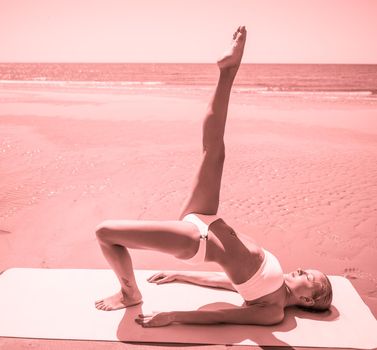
x: 322, y: 295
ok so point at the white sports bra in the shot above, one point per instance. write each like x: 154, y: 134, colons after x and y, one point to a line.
x: 266, y: 280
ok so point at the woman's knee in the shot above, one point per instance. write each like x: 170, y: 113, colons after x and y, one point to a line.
x: 103, y: 230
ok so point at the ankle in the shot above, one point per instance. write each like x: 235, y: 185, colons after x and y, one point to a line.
x: 130, y: 292
x: 228, y: 73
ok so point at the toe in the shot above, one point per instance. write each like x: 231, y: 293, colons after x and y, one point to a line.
x: 238, y: 37
x: 241, y: 36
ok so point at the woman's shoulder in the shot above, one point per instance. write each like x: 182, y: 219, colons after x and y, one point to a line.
x: 275, y: 299
x: 266, y: 312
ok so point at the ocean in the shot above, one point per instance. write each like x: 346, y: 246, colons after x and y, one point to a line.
x: 340, y: 82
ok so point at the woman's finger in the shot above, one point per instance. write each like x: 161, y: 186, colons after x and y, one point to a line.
x: 152, y: 277
x: 162, y: 280
x: 156, y: 276
x: 141, y: 320
x: 166, y: 279
x: 143, y: 323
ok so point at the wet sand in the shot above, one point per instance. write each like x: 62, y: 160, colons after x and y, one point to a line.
x: 299, y: 178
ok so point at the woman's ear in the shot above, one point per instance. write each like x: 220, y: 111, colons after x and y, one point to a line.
x: 307, y: 301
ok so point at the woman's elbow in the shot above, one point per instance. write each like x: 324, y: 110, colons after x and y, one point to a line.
x: 266, y: 318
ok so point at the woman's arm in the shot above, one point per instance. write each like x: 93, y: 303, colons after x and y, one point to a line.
x: 207, y: 279
x: 258, y: 314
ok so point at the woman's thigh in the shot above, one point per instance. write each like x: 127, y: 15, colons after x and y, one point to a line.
x: 178, y: 238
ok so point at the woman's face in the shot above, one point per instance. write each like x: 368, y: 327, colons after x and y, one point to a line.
x: 302, y: 284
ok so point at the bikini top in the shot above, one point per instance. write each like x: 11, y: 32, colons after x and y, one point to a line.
x: 266, y: 280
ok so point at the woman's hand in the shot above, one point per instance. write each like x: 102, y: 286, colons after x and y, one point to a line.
x: 157, y: 319
x: 163, y: 277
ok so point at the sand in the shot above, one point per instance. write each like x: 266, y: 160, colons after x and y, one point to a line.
x: 300, y: 178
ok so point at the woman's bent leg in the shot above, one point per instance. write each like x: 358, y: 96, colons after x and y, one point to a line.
x: 177, y: 238
x: 120, y: 261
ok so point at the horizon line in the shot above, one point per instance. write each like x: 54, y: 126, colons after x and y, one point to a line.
x: 124, y: 62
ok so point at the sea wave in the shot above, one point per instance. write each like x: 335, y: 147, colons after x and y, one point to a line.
x: 318, y: 93
x: 266, y: 91
x: 272, y: 91
x: 43, y: 81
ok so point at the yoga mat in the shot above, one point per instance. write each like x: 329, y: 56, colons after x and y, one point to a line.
x: 59, y: 304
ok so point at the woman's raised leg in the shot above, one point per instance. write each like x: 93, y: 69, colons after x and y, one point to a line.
x: 177, y: 238
x: 205, y: 193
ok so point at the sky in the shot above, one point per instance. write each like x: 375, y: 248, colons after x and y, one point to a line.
x: 279, y: 31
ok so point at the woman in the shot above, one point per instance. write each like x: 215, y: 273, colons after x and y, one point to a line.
x: 199, y: 235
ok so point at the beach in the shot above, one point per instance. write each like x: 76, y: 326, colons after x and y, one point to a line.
x: 300, y: 177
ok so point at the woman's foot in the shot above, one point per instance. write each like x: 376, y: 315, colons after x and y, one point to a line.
x: 118, y: 301
x: 232, y: 58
